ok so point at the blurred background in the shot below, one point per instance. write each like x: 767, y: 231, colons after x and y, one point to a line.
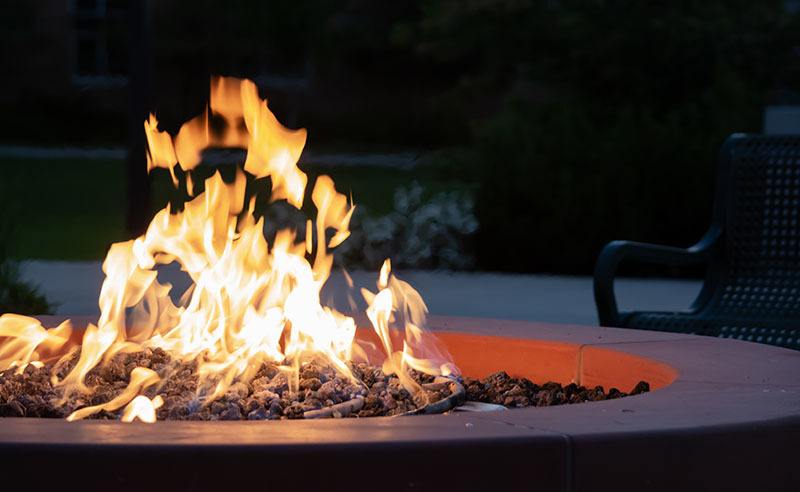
x: 505, y: 136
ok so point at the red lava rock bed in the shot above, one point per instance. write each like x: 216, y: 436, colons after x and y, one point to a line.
x: 322, y: 391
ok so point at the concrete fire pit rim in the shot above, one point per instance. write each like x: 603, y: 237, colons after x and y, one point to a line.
x: 710, y: 391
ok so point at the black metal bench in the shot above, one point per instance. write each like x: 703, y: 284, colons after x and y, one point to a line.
x: 752, y: 252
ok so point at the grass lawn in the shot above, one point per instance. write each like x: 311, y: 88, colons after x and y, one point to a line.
x: 72, y: 210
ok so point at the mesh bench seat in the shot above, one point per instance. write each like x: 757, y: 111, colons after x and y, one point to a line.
x: 752, y: 252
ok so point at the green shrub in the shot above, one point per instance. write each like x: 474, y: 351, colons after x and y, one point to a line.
x: 423, y: 230
x: 558, y: 181
x: 600, y: 120
x: 16, y: 296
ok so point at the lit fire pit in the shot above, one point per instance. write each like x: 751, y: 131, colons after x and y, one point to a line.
x: 250, y: 341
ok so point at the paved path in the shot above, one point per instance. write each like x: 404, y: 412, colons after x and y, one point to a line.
x: 75, y: 286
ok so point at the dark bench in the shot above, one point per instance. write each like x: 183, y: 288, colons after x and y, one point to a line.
x: 752, y: 252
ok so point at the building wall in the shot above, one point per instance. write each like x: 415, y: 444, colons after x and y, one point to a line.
x: 35, y: 49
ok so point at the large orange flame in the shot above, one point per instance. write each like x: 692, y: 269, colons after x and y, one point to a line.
x: 248, y: 302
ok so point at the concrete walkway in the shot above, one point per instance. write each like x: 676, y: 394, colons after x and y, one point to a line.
x: 75, y: 287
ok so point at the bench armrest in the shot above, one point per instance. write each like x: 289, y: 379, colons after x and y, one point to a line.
x: 616, y: 252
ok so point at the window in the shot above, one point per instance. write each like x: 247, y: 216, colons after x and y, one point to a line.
x: 101, y: 43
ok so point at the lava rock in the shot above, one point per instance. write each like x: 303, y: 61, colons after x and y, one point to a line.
x: 267, y: 396
x: 310, y: 383
x: 12, y: 409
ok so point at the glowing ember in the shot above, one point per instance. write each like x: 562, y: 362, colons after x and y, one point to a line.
x: 250, y: 302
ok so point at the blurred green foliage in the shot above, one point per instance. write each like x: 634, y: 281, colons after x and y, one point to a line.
x: 579, y: 122
x: 69, y: 209
x: 574, y: 122
x: 601, y: 120
x: 16, y: 296
x: 63, y: 208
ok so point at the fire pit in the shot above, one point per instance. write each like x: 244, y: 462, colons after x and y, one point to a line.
x: 720, y: 410
x: 251, y: 340
x: 250, y: 337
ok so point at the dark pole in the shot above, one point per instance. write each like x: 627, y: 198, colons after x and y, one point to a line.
x: 139, y: 105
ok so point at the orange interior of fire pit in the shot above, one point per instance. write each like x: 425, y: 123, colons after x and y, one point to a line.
x: 541, y: 360
x: 538, y: 360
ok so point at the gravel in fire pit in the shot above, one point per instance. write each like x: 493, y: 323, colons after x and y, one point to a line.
x: 501, y: 389
x: 321, y: 393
